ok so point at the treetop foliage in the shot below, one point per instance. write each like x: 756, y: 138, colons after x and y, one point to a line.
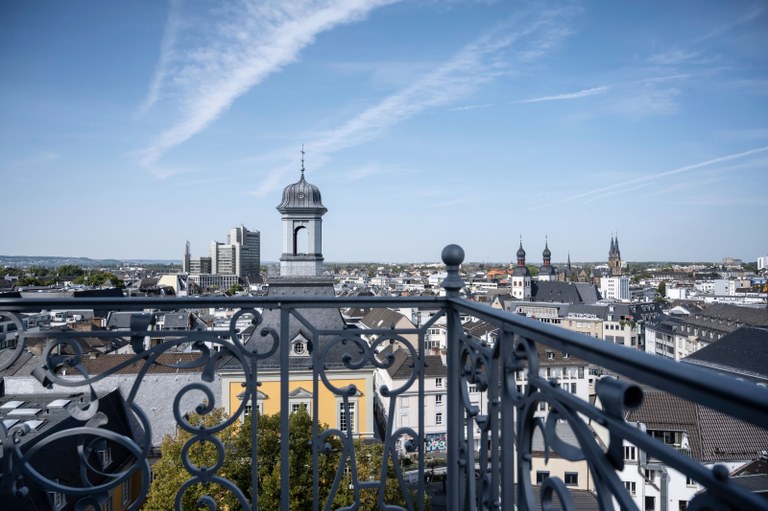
x: 236, y: 439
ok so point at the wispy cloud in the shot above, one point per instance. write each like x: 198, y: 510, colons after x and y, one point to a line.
x: 492, y: 55
x: 167, y: 52
x: 369, y: 170
x: 753, y: 13
x: 499, y: 51
x: 640, y: 182
x: 569, y: 95
x: 675, y: 57
x: 470, y: 107
x: 246, y: 44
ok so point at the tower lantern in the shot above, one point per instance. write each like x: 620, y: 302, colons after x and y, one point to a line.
x: 302, y: 210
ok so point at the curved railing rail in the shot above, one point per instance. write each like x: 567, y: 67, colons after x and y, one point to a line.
x: 490, y: 440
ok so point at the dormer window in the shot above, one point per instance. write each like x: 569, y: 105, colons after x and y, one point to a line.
x: 300, y: 346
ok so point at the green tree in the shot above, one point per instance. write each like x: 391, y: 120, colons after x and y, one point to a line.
x: 69, y: 270
x: 98, y: 278
x: 170, y: 473
x: 233, y: 289
x: 28, y: 281
x: 39, y: 271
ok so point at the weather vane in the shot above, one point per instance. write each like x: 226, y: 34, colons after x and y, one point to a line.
x: 302, y: 159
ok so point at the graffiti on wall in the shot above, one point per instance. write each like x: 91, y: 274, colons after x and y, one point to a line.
x: 435, y: 442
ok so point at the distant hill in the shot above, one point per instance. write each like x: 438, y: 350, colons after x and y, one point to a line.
x: 85, y: 262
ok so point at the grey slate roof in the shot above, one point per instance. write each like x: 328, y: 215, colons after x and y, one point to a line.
x: 726, y: 316
x: 382, y: 318
x: 177, y: 320
x: 743, y: 352
x: 583, y: 500
x: 402, y: 365
x: 320, y: 318
x: 568, y: 292
x: 713, y: 436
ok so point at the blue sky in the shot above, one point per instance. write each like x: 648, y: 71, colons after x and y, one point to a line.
x: 128, y: 128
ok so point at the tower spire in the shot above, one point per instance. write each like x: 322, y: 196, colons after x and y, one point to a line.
x: 302, y: 160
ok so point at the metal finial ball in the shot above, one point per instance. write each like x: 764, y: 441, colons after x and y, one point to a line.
x: 453, y: 255
x: 720, y: 472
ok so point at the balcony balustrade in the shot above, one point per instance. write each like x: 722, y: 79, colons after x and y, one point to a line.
x: 489, y: 452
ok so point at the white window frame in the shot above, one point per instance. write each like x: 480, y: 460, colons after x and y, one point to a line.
x: 125, y: 489
x: 352, y: 415
x: 300, y: 397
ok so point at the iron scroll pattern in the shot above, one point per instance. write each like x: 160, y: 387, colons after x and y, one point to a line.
x: 506, y: 421
x: 17, y: 469
x: 371, y: 349
x: 63, y: 367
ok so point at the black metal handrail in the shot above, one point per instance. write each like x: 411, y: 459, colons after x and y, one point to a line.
x: 486, y: 470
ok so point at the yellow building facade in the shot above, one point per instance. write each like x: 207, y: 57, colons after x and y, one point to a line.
x: 327, y: 405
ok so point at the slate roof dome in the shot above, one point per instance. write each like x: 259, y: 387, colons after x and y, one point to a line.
x: 546, y: 254
x: 521, y: 252
x: 302, y: 195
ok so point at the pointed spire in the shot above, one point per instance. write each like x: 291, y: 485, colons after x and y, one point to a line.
x: 569, y: 260
x: 521, y: 253
x: 302, y: 161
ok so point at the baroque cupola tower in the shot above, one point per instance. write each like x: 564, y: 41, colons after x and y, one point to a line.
x: 547, y: 272
x: 521, y: 277
x: 302, y: 211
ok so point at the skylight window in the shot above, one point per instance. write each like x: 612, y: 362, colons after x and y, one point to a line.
x: 59, y: 403
x: 23, y: 411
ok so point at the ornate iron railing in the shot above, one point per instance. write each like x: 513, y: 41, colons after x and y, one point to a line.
x: 486, y: 470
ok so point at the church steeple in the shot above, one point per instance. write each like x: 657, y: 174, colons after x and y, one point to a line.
x: 521, y: 276
x: 302, y: 209
x: 614, y: 257
x: 547, y: 272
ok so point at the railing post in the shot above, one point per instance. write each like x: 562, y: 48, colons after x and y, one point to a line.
x: 453, y: 256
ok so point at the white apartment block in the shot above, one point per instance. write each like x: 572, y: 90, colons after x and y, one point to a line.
x: 615, y: 288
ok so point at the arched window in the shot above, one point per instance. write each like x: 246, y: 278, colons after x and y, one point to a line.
x: 304, y: 240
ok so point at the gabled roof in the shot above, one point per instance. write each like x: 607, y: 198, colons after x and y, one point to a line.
x: 402, y: 364
x: 165, y: 363
x: 383, y: 318
x: 176, y: 320
x: 713, y: 436
x: 750, y: 316
x: 568, y: 292
x: 743, y: 351
x: 479, y: 328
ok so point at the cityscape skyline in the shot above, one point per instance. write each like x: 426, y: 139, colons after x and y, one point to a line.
x: 128, y: 131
